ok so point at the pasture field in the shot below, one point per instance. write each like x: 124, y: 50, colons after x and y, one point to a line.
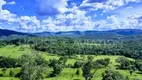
x: 14, y: 51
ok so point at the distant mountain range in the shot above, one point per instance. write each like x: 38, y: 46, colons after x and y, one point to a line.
x: 5, y: 32
x: 111, y: 34
x: 81, y: 33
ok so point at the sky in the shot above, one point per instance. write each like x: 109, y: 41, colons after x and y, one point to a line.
x: 70, y: 15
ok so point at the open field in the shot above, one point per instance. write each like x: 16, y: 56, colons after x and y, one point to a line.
x: 14, y: 51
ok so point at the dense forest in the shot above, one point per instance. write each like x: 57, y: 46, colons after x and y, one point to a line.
x: 68, y: 46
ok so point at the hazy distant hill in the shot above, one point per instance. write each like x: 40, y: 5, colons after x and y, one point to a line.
x: 111, y: 34
x: 4, y: 32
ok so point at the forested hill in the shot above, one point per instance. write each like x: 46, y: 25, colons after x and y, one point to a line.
x: 111, y: 34
x: 5, y: 32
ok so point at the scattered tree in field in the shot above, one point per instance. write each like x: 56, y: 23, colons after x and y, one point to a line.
x: 57, y: 70
x: 127, y: 78
x: 62, y: 60
x: 106, y: 62
x: 7, y: 62
x: 32, y: 68
x: 90, y: 58
x: 131, y: 72
x: 87, y: 71
x: 112, y: 75
x: 78, y: 64
x: 124, y: 63
x: 4, y: 70
x: 53, y: 62
x: 11, y: 73
x: 138, y: 65
x: 77, y: 72
x: 39, y: 60
x: 101, y: 63
x: 31, y: 72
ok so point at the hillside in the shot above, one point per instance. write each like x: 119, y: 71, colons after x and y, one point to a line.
x: 111, y: 34
x: 6, y: 33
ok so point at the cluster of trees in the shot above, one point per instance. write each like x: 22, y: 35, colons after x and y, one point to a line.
x: 109, y: 74
x: 131, y: 65
x: 113, y: 75
x: 8, y: 62
x: 93, y: 65
x: 57, y: 65
x: 32, y: 67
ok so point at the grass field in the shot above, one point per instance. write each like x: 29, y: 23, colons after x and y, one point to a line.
x: 13, y: 51
x: 67, y: 73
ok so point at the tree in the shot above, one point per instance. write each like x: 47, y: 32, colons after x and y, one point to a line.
x: 78, y: 72
x: 78, y: 64
x: 112, y: 75
x: 30, y: 71
x: 39, y: 60
x: 124, y: 63
x: 56, y: 70
x: 11, y: 73
x: 106, y: 61
x: 138, y: 65
x: 86, y: 71
x: 101, y: 63
x: 7, y: 62
x: 4, y: 70
x: 90, y: 58
x: 53, y: 62
x: 32, y: 67
x: 63, y: 60
x: 131, y: 72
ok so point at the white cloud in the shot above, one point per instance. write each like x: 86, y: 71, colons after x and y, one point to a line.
x: 106, y: 5
x: 26, y: 23
x: 13, y: 2
x: 115, y: 22
x: 51, y: 7
x: 77, y: 19
x: 5, y: 15
x: 29, y: 23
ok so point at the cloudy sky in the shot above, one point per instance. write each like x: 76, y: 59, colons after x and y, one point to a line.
x: 70, y: 15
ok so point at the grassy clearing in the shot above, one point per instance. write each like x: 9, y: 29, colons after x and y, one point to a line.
x: 69, y: 74
x: 13, y: 51
x: 7, y: 71
x: 9, y: 78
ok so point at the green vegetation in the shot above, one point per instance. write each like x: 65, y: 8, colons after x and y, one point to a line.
x: 14, y: 51
x: 58, y: 58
